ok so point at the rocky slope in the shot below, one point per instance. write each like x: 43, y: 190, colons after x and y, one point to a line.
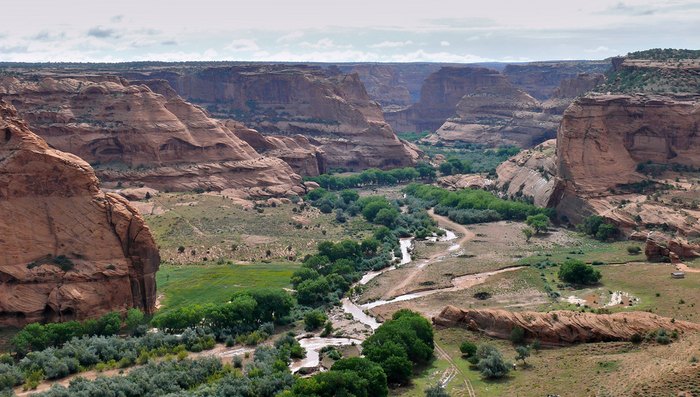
x: 329, y: 108
x: 67, y: 250
x: 561, y: 327
x: 531, y: 174
x: 133, y: 135
x: 384, y: 84
x: 616, y: 151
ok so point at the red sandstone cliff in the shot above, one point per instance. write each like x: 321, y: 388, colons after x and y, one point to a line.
x: 601, y: 143
x: 561, y: 327
x: 52, y: 206
x: 135, y: 135
x: 332, y: 110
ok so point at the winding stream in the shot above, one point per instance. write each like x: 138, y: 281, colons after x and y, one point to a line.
x: 313, y: 347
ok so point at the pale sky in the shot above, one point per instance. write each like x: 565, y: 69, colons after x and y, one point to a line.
x: 347, y: 31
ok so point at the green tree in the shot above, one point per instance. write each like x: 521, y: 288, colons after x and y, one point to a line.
x: 517, y: 335
x: 528, y: 232
x: 523, y: 353
x: 575, y: 271
x: 539, y: 222
x: 386, y: 216
x: 493, y: 366
x: 134, y: 318
x: 368, y: 370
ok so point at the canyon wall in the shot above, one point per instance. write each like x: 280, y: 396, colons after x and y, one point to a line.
x: 543, y: 79
x: 67, y: 250
x: 601, y: 143
x: 133, y: 135
x: 331, y: 109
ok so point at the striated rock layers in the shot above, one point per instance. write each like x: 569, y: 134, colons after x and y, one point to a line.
x: 531, y: 174
x: 603, y: 143
x: 476, y: 106
x: 561, y: 327
x: 297, y: 151
x: 543, y: 80
x: 332, y: 110
x: 67, y: 249
x: 384, y: 84
x: 134, y: 135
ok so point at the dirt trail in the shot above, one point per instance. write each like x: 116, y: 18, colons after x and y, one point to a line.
x: 685, y: 268
x: 444, y: 222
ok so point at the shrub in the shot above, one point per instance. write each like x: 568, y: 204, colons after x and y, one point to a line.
x: 517, y: 335
x: 436, y: 391
x: 539, y: 222
x: 314, y: 319
x: 467, y: 348
x: 634, y: 250
x: 493, y: 366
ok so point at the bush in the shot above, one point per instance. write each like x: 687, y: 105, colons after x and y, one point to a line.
x: 517, y: 335
x: 314, y: 319
x: 436, y: 391
x: 634, y: 250
x: 596, y: 226
x: 576, y: 272
x: 493, y: 366
x: 467, y: 348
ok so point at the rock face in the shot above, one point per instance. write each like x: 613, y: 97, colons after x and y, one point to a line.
x: 662, y: 248
x: 440, y: 94
x: 601, y: 143
x: 384, y: 84
x: 530, y: 174
x: 297, y: 151
x: 476, y: 106
x: 67, y: 250
x: 561, y: 327
x: 543, y: 79
x: 332, y: 110
x: 136, y: 136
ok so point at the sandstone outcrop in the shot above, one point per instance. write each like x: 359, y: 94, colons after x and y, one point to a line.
x: 329, y: 108
x: 297, y: 151
x: 601, y: 143
x: 475, y: 105
x: 465, y: 181
x: 561, y: 327
x: 67, y: 250
x: 662, y: 248
x: 133, y: 135
x: 531, y: 174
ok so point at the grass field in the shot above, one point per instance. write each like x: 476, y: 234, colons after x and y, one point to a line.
x: 189, y: 284
x: 212, y: 228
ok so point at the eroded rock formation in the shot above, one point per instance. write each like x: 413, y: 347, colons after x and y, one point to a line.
x: 329, y: 108
x: 561, y: 327
x: 67, y: 249
x: 476, y: 106
x: 530, y: 174
x: 135, y: 136
x: 601, y: 143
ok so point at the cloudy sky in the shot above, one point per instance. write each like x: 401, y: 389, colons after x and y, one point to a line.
x: 328, y: 30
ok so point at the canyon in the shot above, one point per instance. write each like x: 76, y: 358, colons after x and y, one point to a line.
x: 68, y: 250
x: 134, y: 136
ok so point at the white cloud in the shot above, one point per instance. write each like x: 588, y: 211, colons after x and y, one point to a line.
x: 290, y: 37
x: 391, y: 44
x: 325, y: 44
x: 444, y: 43
x: 243, y: 45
